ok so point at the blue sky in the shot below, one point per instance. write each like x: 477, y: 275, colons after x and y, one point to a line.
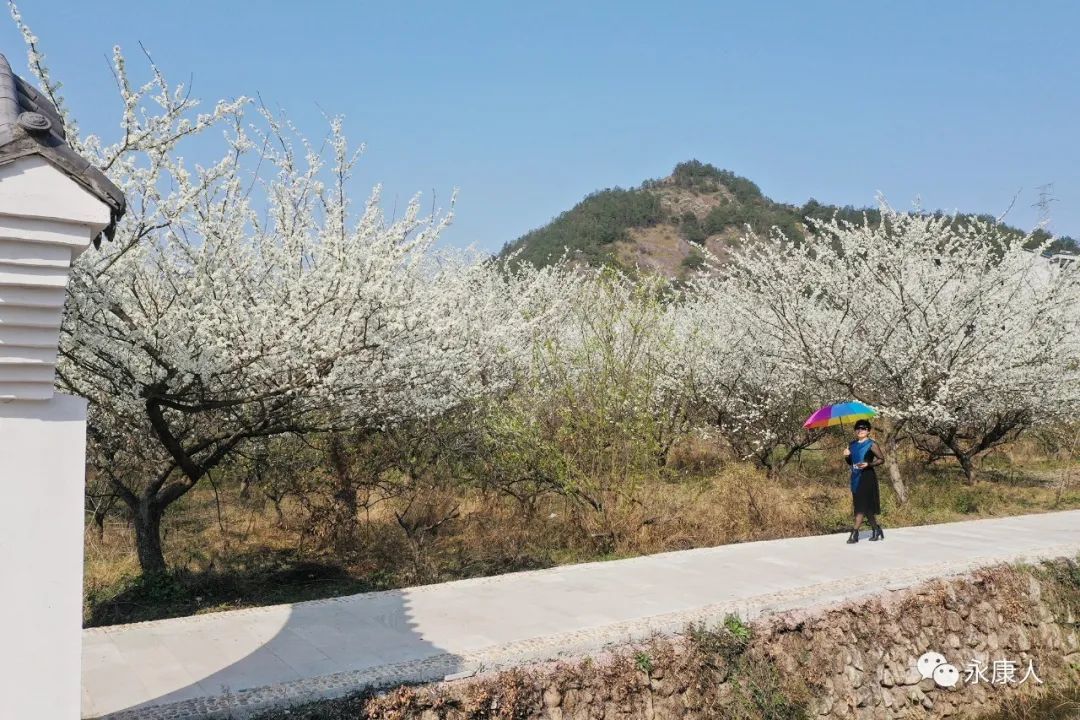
x: 527, y: 108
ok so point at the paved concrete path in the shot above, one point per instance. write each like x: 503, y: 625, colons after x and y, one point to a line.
x: 240, y: 661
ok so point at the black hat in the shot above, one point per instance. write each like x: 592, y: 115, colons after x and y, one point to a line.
x: 863, y: 424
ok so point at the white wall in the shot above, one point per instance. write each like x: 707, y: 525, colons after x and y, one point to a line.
x: 46, y: 220
x: 42, y: 460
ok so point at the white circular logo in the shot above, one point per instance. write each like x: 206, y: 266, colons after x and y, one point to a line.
x: 928, y: 662
x: 946, y: 675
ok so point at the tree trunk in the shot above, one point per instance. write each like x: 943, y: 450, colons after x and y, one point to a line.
x: 765, y: 460
x: 966, y: 459
x: 99, y: 521
x: 147, y: 517
x: 893, y: 466
x: 967, y: 463
x: 753, y: 508
x: 276, y: 499
x: 344, y: 520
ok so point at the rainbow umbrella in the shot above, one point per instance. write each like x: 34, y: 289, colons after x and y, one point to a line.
x: 838, y: 414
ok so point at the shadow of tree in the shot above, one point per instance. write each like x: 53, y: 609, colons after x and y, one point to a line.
x: 259, y: 577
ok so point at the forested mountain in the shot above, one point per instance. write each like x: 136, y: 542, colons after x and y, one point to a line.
x: 662, y: 225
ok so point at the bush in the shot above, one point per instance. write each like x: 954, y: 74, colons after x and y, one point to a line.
x: 725, y: 216
x: 690, y: 228
x: 694, y: 261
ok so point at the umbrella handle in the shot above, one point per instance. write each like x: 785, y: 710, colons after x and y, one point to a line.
x: 842, y: 425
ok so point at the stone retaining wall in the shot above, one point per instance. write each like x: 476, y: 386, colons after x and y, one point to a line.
x: 857, y: 660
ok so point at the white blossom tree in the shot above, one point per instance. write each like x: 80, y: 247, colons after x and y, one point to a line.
x: 947, y: 325
x: 739, y: 381
x: 244, y: 299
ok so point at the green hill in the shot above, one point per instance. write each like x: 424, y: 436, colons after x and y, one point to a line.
x: 661, y: 225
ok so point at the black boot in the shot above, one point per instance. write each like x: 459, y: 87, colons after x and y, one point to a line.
x: 878, y: 534
x: 853, y: 537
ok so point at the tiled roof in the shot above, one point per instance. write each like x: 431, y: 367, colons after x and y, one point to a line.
x: 30, y: 125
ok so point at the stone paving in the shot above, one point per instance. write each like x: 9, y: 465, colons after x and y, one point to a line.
x: 232, y: 664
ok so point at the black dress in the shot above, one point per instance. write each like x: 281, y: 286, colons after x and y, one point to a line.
x: 865, y: 497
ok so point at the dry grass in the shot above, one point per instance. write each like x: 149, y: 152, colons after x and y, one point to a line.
x: 1058, y: 704
x: 231, y: 551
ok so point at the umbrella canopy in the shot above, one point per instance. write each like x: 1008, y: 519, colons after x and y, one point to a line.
x: 838, y: 414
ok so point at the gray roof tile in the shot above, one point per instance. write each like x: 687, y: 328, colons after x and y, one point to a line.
x: 30, y: 125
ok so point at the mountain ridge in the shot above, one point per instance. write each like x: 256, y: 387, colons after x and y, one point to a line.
x: 662, y: 226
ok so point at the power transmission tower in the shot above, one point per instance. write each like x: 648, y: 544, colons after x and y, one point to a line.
x: 1046, y: 196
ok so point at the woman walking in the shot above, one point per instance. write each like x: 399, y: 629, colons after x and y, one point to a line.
x: 863, y: 455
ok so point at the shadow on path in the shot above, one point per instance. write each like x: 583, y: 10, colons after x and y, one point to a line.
x: 248, y: 659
